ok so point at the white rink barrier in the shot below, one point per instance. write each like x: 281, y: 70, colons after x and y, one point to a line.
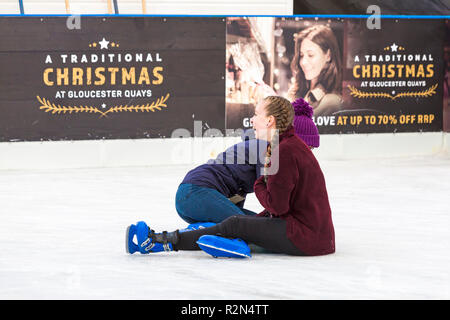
x: 191, y: 151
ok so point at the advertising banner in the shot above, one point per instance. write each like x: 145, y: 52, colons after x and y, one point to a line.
x: 446, y: 115
x: 109, y: 77
x: 358, y: 80
x: 146, y: 77
x: 404, y: 7
x: 393, y: 76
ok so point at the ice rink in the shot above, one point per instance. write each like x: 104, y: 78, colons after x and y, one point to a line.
x: 62, y: 237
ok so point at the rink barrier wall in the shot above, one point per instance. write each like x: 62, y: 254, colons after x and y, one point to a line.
x: 48, y: 155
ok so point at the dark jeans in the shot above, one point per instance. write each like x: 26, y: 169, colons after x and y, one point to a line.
x: 268, y: 233
x: 201, y: 204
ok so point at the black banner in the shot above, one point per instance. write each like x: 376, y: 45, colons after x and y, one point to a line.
x: 233, y: 309
x: 387, y: 7
x: 357, y: 78
x: 446, y: 115
x: 393, y: 76
x: 109, y: 77
x: 146, y: 77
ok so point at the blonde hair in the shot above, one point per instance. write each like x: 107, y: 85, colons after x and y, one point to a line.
x: 283, y: 113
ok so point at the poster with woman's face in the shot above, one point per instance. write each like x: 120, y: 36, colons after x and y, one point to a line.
x: 308, y: 62
x: 291, y: 57
x: 357, y: 79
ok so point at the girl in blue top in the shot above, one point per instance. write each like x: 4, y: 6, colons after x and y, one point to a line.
x: 216, y: 190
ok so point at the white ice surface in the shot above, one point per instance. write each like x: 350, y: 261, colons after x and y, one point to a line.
x: 62, y: 237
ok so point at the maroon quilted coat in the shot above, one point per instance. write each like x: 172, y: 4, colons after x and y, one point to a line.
x: 297, y: 194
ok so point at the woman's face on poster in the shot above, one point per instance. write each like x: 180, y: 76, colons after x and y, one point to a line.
x: 312, y: 59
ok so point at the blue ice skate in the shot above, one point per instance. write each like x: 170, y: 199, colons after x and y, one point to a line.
x: 198, y: 225
x: 147, y: 240
x: 223, y: 247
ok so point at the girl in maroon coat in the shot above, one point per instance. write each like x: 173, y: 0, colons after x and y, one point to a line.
x: 297, y: 216
x: 296, y: 193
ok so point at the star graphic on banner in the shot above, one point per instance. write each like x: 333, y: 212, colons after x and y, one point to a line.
x: 103, y: 105
x: 394, y: 47
x: 103, y: 44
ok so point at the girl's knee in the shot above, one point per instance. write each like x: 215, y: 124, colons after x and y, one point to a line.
x: 187, y: 218
x: 230, y: 225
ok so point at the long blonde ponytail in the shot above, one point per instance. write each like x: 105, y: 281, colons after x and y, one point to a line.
x: 283, y: 113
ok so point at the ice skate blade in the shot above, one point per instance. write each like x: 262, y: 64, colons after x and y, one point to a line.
x: 219, y: 247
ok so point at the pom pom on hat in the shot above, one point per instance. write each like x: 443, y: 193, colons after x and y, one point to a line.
x: 301, y: 107
x: 304, y: 126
